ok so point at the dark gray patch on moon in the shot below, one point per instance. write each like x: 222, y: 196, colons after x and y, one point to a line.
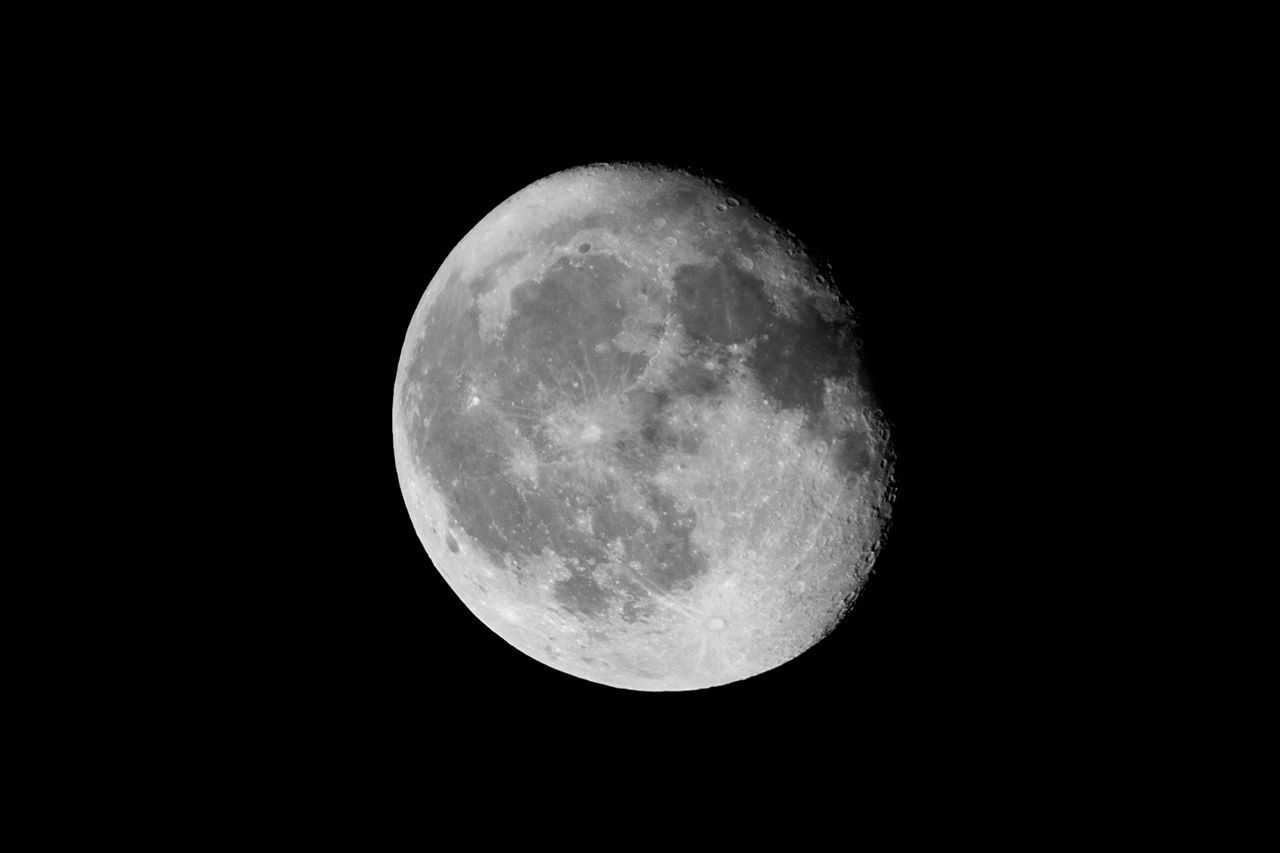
x: 555, y: 355
x: 562, y: 327
x: 794, y: 356
x: 720, y: 303
x: 854, y: 454
x: 791, y: 356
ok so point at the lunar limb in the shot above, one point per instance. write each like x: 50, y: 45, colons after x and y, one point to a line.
x: 633, y: 432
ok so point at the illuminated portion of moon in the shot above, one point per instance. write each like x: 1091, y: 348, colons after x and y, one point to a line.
x: 633, y: 433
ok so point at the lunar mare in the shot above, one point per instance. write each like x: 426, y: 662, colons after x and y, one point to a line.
x: 633, y: 433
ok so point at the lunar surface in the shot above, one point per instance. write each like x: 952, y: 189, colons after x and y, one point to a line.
x: 634, y: 435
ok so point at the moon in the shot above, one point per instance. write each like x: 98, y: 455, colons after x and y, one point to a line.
x: 634, y: 432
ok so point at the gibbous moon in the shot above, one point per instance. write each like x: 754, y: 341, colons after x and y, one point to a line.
x: 632, y: 431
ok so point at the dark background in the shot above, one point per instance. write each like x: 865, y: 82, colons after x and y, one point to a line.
x: 306, y: 644
x: 319, y: 194
x: 927, y: 232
